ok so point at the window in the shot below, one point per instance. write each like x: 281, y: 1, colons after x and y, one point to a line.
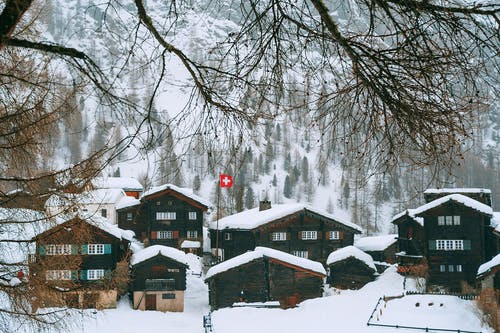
x: 449, y: 220
x: 459, y: 268
x: 58, y: 249
x: 442, y: 268
x: 192, y: 233
x: 158, y: 203
x: 449, y: 244
x: 192, y: 215
x: 58, y: 274
x: 165, y: 216
x: 301, y: 254
x: 309, y: 235
x: 129, y: 217
x: 227, y: 236
x: 333, y: 235
x: 451, y: 268
x: 168, y: 296
x: 95, y: 274
x: 104, y: 212
x: 164, y: 234
x: 95, y: 249
x: 160, y: 284
x: 278, y: 236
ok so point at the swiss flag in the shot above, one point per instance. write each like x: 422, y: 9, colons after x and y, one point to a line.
x: 225, y: 180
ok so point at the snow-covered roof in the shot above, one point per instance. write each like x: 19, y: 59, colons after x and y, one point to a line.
x: 253, y: 218
x: 411, y: 214
x: 261, y: 252
x: 182, y: 190
x: 189, y: 244
x: 375, y: 243
x: 495, y: 221
x: 456, y: 190
x: 127, y: 201
x: 350, y: 251
x: 484, y: 268
x: 125, y: 183
x: 97, y: 221
x: 459, y: 198
x: 154, y: 250
x: 99, y: 196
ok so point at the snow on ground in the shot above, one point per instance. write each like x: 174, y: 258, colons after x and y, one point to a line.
x: 339, y: 311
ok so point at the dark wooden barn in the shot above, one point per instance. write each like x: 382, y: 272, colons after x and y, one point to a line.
x: 293, y: 228
x: 264, y: 275
x: 83, y: 262
x: 350, y: 268
x: 159, y: 279
x: 166, y: 215
x: 380, y: 248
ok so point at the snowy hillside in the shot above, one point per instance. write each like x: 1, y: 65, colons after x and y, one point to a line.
x: 339, y: 311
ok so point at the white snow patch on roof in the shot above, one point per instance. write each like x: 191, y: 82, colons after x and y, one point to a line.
x: 127, y: 201
x: 125, y: 183
x: 484, y: 268
x: 261, y: 252
x: 350, y: 251
x: 375, y: 243
x: 154, y: 250
x: 253, y: 218
x: 182, y: 190
x: 99, y: 196
x: 188, y: 244
x: 456, y: 190
x: 462, y: 199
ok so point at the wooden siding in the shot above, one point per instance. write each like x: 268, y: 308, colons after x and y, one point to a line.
x: 350, y: 273
x: 144, y: 270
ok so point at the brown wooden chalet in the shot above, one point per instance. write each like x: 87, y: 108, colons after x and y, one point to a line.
x: 264, y: 275
x: 293, y: 228
x: 159, y: 279
x: 80, y: 263
x: 166, y: 215
x: 350, y: 268
x: 380, y: 248
x: 449, y: 234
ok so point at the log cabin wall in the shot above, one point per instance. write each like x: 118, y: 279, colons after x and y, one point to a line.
x: 350, y: 273
x: 158, y: 267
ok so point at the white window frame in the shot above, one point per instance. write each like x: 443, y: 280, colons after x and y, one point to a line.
x: 95, y: 249
x: 451, y: 268
x: 58, y: 249
x: 192, y: 216
x: 301, y: 254
x: 440, y: 244
x: 309, y: 235
x: 449, y: 244
x: 334, y: 234
x: 456, y: 220
x: 459, y: 268
x: 166, y: 216
x: 165, y: 234
x: 192, y: 233
x: 278, y: 236
x: 448, y: 220
x: 441, y: 220
x: 130, y: 216
x: 442, y: 268
x: 227, y: 236
x: 95, y: 274
x: 58, y: 274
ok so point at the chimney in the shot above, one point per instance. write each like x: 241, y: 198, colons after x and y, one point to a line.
x: 264, y: 204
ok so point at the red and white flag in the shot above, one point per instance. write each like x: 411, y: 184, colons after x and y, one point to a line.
x: 225, y: 180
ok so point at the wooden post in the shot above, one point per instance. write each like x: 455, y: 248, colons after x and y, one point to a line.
x: 217, y: 224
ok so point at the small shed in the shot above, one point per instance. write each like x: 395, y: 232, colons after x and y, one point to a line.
x: 264, y: 275
x: 350, y: 268
x: 380, y: 248
x: 159, y: 278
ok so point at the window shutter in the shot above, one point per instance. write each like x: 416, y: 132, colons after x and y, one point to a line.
x: 341, y: 235
x: 153, y: 234
x: 432, y: 244
x: 327, y: 234
x: 300, y: 235
x: 107, y: 274
x: 467, y: 245
x: 319, y: 234
x: 175, y: 234
x: 270, y: 236
x: 83, y: 274
x: 74, y: 249
x: 287, y: 236
x: 85, y: 249
x: 41, y: 250
x: 107, y: 249
x: 74, y: 275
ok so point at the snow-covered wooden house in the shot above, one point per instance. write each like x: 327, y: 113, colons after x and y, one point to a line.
x: 350, y: 268
x: 453, y: 234
x: 129, y: 185
x: 158, y: 278
x: 166, y: 215
x: 297, y: 229
x: 80, y: 263
x: 264, y: 275
x: 381, y: 248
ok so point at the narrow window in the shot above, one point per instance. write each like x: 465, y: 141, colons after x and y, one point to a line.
x: 459, y: 268
x: 129, y: 216
x: 192, y: 215
x: 192, y: 234
x: 440, y: 220
x: 451, y: 268
x: 104, y: 212
x: 227, y: 236
x: 456, y: 220
x: 449, y: 220
x: 442, y: 268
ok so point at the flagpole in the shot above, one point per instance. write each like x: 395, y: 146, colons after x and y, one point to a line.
x: 217, y: 223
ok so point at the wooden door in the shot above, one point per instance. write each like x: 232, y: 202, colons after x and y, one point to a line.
x: 150, y: 302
